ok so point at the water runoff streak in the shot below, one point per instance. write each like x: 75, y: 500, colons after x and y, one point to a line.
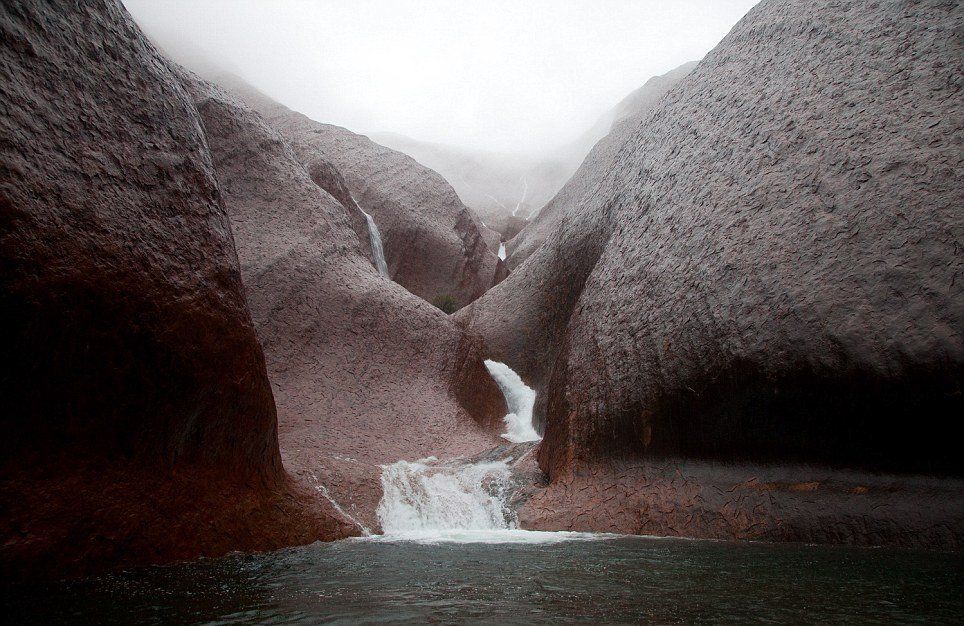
x: 375, y: 237
x: 430, y: 501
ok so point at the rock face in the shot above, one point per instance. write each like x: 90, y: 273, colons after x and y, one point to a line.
x: 433, y: 243
x: 138, y: 422
x: 770, y: 268
x: 577, y: 193
x: 364, y: 372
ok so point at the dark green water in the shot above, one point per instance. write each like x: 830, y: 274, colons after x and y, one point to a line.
x: 618, y: 580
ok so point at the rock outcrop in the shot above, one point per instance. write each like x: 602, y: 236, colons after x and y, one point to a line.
x: 433, y: 243
x: 364, y: 372
x: 766, y: 269
x: 138, y: 421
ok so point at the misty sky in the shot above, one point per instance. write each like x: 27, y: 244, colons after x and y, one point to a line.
x: 521, y: 76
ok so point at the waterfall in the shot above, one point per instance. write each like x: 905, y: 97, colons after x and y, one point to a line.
x: 430, y: 501
x: 426, y: 496
x: 520, y: 400
x: 502, y: 250
x: 376, y: 239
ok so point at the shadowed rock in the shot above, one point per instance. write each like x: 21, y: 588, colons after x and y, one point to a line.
x: 138, y: 421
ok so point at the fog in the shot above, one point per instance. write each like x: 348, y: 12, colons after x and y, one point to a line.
x: 507, y: 76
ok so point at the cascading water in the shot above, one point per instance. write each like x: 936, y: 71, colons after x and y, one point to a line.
x: 426, y: 496
x: 502, y: 250
x: 375, y: 237
x: 431, y: 501
x: 378, y: 252
x: 519, y: 398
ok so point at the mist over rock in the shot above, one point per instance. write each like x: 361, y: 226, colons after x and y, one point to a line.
x: 772, y: 265
x: 523, y: 320
x: 433, y: 243
x: 605, y: 140
x: 356, y: 382
x: 138, y: 421
x: 503, y: 189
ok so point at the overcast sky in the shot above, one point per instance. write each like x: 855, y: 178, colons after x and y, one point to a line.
x: 519, y: 75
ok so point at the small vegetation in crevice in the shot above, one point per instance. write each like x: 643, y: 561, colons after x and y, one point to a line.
x: 448, y: 304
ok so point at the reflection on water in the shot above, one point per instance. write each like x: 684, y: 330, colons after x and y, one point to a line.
x: 618, y: 579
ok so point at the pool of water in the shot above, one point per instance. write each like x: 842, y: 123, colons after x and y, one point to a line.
x: 603, y: 580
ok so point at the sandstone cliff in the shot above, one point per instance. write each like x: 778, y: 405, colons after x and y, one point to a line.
x: 768, y: 266
x: 138, y: 421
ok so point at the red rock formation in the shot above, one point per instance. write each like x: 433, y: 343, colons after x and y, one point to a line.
x: 138, y: 421
x: 765, y: 270
x: 433, y: 243
x: 364, y: 372
x: 780, y: 282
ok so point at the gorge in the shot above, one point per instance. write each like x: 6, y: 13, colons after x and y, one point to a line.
x: 723, y: 330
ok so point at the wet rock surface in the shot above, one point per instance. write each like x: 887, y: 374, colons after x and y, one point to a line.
x: 433, y: 243
x: 364, y: 373
x: 138, y: 419
x: 782, y: 278
x: 765, y: 270
x: 673, y: 498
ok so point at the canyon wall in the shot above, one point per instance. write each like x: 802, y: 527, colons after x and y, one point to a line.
x: 138, y: 420
x: 782, y: 278
x: 364, y: 373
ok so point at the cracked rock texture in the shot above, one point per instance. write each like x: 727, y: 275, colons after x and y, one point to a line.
x: 138, y: 420
x: 364, y: 373
x: 434, y: 245
x: 768, y: 267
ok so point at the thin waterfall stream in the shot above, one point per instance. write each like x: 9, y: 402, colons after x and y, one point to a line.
x: 375, y: 238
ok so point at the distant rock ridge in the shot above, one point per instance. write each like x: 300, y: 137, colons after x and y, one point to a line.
x: 576, y: 193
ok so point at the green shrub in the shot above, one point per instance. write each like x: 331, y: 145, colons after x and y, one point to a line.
x: 447, y: 303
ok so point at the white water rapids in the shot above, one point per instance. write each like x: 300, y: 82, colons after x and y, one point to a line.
x: 431, y: 501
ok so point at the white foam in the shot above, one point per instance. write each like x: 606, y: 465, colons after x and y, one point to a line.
x: 519, y: 398
x: 428, y: 497
x: 512, y: 535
